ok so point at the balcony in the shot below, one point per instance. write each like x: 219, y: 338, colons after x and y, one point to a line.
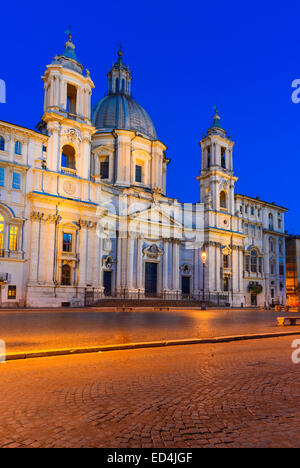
x: 68, y: 256
x: 16, y: 254
x: 68, y: 171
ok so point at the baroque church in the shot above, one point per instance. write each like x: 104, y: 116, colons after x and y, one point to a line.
x: 84, y: 212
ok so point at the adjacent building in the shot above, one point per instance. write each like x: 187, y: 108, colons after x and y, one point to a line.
x: 293, y: 270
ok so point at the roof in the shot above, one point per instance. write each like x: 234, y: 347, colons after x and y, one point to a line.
x: 258, y: 200
x: 118, y: 111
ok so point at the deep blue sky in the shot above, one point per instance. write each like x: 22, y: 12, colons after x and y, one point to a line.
x: 184, y: 57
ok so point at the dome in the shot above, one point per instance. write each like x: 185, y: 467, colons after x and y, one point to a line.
x: 121, y: 111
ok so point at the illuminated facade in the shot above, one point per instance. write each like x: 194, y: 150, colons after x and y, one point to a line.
x: 84, y: 212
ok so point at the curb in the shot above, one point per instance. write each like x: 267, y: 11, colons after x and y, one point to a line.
x: 147, y: 344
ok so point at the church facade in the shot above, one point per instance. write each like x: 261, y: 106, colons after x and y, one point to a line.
x: 84, y: 212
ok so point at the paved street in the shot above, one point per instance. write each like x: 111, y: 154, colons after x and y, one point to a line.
x: 241, y: 394
x: 34, y: 330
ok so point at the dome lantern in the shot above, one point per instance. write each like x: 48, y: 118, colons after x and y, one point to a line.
x: 119, y: 77
x: 118, y: 110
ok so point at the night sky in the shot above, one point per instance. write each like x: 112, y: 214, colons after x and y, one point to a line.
x: 184, y: 57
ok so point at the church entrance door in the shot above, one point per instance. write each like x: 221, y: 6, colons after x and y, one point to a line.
x: 107, y: 283
x: 150, y: 279
x: 253, y: 299
x: 185, y: 285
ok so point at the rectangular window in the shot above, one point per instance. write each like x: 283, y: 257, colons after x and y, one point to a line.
x: 2, y: 176
x: 281, y: 269
x: 104, y: 169
x: 13, y: 238
x: 138, y: 173
x: 67, y: 242
x: 260, y: 265
x: 247, y: 264
x: 226, y: 261
x: 12, y: 292
x: 16, y: 181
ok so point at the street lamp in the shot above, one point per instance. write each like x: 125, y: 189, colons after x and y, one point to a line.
x: 204, y: 258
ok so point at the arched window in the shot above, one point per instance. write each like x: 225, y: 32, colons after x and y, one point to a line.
x: 223, y: 158
x: 2, y: 144
x: 71, y: 99
x: 223, y: 200
x: 2, y: 224
x: 117, y: 85
x: 68, y: 157
x: 66, y: 275
x: 18, y: 148
x: 208, y: 157
x: 271, y: 222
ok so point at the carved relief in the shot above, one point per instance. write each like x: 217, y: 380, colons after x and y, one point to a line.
x: 69, y: 187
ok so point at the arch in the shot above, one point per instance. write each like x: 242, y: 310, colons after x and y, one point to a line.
x: 223, y: 158
x: 223, y: 199
x: 71, y: 103
x: 2, y: 143
x: 208, y: 157
x: 68, y: 157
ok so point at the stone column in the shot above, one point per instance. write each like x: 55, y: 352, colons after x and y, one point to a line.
x: 139, y: 270
x: 83, y: 242
x: 124, y: 251
x: 130, y: 259
x: 175, y: 256
x: 196, y: 272
x: 119, y: 263
x: 35, y: 246
x: 165, y: 266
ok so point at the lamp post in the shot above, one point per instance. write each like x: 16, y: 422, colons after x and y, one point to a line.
x: 204, y: 258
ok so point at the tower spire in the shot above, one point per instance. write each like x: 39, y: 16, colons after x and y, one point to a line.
x: 69, y: 51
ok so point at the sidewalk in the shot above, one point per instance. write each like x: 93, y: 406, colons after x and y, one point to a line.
x: 143, y: 345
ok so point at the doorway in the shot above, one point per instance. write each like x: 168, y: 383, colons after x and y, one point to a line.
x: 150, y: 279
x: 107, y: 282
x: 253, y: 299
x: 186, y: 285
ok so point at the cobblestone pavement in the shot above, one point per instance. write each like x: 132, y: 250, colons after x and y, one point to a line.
x: 32, y: 330
x: 244, y: 394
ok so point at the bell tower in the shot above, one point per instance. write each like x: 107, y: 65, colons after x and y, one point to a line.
x: 67, y: 113
x: 217, y: 178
